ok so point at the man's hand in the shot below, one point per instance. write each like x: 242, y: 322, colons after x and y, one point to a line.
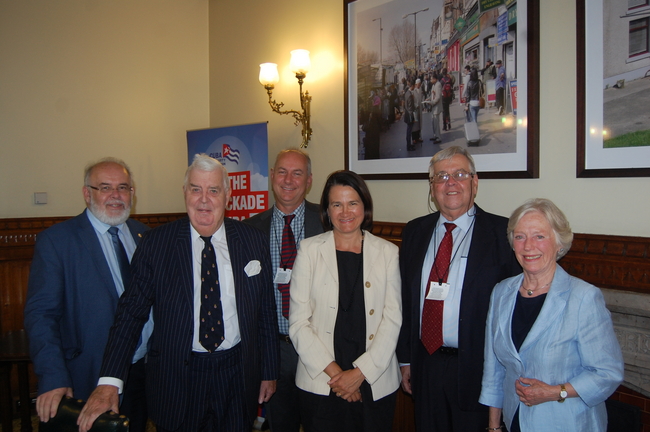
x: 104, y: 398
x: 48, y: 403
x: 267, y: 388
x: 406, y: 378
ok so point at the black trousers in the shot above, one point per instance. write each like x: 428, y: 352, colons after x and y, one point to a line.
x: 216, y: 400
x: 333, y: 414
x: 283, y: 409
x: 435, y: 395
x: 134, y: 398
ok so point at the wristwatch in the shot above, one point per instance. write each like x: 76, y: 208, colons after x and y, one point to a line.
x: 563, y: 393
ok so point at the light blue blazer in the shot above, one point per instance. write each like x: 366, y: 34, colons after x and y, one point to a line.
x: 571, y: 341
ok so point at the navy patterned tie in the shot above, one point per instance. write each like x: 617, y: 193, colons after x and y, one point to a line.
x: 287, y: 257
x: 211, y: 317
x: 432, y: 310
x: 122, y: 258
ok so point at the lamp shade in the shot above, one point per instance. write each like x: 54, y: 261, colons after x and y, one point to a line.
x: 269, y: 74
x: 300, y: 63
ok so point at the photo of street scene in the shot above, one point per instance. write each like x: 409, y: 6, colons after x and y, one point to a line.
x: 435, y: 73
x: 626, y: 73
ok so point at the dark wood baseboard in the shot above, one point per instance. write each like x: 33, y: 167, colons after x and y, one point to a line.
x: 615, y: 262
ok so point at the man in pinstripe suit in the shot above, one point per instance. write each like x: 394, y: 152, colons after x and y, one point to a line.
x: 191, y: 388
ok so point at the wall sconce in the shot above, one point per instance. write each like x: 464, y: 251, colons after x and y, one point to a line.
x: 269, y: 76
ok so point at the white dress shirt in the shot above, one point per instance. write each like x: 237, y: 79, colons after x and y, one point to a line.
x: 462, y: 235
x: 226, y: 284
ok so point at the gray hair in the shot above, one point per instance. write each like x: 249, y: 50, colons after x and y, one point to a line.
x: 556, y: 219
x: 449, y: 153
x: 203, y: 162
x: 91, y: 166
x: 297, y: 151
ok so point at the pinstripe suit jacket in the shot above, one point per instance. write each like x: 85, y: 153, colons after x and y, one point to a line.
x: 70, y: 305
x: 162, y: 279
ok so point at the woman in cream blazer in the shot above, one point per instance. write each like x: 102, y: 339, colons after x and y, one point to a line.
x: 334, y: 397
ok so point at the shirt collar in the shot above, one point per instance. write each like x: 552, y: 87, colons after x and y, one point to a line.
x: 100, y: 226
x: 299, y: 211
x: 463, y: 222
x: 218, y: 235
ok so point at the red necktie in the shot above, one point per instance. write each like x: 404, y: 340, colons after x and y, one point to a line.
x: 287, y: 257
x: 433, y: 309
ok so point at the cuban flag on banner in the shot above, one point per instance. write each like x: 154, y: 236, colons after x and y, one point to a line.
x: 230, y: 153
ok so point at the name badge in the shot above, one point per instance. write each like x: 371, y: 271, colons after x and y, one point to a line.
x: 282, y: 276
x: 438, y: 291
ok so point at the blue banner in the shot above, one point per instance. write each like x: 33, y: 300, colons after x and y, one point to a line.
x: 502, y: 28
x: 243, y: 150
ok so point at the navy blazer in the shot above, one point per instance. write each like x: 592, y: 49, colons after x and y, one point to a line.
x: 70, y: 306
x: 312, y: 220
x: 490, y: 260
x: 162, y: 278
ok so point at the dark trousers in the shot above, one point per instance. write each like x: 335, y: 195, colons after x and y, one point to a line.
x: 134, y: 398
x: 446, y: 116
x: 216, y: 400
x: 501, y: 92
x: 409, y: 137
x: 435, y: 394
x: 283, y: 409
x: 333, y: 414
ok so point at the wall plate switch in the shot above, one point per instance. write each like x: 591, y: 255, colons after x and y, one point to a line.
x: 40, y: 197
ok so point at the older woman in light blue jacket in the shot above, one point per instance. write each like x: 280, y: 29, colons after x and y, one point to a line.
x: 551, y: 356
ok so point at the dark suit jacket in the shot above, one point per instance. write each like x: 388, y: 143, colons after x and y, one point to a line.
x: 162, y: 277
x: 71, y: 303
x: 312, y: 220
x: 490, y: 261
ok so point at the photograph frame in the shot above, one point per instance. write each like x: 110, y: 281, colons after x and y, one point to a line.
x: 529, y: 166
x: 590, y: 83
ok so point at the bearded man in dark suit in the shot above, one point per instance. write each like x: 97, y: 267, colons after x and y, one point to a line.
x: 214, y: 351
x: 445, y: 377
x: 74, y: 285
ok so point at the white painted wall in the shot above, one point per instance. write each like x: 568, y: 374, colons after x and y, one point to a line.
x: 82, y: 79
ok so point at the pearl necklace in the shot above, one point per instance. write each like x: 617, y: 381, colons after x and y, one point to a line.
x: 530, y: 292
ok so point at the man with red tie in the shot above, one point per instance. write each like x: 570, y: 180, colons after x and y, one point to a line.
x: 289, y: 221
x: 449, y: 261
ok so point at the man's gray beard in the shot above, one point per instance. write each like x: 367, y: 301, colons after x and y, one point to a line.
x: 100, y: 213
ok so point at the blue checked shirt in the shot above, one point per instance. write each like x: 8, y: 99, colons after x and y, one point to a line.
x: 298, y: 228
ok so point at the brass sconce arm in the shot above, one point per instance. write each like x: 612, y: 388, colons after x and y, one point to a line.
x: 300, y: 64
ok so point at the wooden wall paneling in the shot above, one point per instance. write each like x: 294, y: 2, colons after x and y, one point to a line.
x: 614, y: 262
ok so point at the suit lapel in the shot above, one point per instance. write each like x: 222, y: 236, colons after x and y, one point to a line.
x: 235, y: 248
x: 507, y: 307
x: 482, y: 241
x: 327, y: 251
x: 370, y: 255
x: 420, y: 252
x: 183, y: 259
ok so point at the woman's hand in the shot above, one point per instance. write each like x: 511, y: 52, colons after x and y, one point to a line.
x: 534, y: 392
x: 346, y: 384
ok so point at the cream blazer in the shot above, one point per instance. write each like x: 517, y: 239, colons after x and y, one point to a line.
x: 315, y: 302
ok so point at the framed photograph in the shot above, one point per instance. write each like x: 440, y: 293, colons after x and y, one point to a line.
x: 613, y: 88
x: 425, y: 75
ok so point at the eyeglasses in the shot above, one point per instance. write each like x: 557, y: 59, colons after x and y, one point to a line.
x: 459, y: 175
x: 107, y: 189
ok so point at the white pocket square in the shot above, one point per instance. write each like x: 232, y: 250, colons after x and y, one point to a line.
x: 253, y: 268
